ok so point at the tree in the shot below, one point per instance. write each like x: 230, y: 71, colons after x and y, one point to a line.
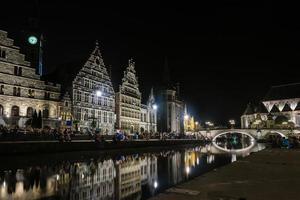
x: 34, y: 120
x: 39, y: 120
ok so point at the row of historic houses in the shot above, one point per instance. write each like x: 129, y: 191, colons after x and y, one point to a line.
x: 77, y: 95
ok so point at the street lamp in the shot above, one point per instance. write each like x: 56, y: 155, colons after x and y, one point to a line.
x: 98, y: 93
x: 154, y: 107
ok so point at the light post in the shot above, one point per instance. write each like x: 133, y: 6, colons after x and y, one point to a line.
x: 154, y: 107
x: 98, y: 94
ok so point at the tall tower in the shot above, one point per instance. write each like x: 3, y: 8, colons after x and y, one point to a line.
x: 32, y: 40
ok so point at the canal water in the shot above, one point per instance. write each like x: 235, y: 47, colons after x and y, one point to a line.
x: 115, y: 175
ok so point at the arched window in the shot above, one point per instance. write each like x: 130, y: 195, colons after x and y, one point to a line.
x: 15, y: 111
x: 1, y: 110
x: 29, y: 112
x: 46, y: 113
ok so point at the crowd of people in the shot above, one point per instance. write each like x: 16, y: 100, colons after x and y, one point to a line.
x: 277, y: 141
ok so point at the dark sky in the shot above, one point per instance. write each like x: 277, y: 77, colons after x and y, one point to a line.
x: 224, y: 53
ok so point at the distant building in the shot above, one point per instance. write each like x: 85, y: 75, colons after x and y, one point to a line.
x: 22, y: 91
x: 132, y: 115
x: 280, y: 108
x: 190, y: 125
x: 171, y: 108
x: 90, y: 90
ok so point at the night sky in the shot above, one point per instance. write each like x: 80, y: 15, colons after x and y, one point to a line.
x: 223, y: 53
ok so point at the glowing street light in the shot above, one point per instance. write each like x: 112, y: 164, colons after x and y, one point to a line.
x: 154, y: 106
x: 155, y: 184
x: 98, y: 93
x: 186, y: 117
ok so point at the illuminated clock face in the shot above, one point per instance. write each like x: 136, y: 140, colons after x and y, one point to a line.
x: 32, y: 40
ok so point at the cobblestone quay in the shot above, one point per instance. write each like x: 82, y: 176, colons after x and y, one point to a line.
x: 268, y: 174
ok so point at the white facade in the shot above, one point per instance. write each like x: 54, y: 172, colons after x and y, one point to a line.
x: 93, y: 95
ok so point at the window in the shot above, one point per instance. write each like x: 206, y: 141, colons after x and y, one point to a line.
x: 2, y: 89
x: 16, y: 70
x: 86, y: 83
x: 99, y: 101
x: 29, y: 112
x: 110, y: 118
x: 105, y: 117
x: 46, y: 113
x: 78, y: 95
x: 20, y: 71
x: 31, y: 93
x: 99, y: 116
x: 15, y: 111
x: 92, y: 99
x: 86, y: 97
x: 105, y: 101
x: 47, y: 95
x: 1, y: 110
x: 66, y: 103
x: 78, y: 114
x: 2, y: 53
x: 17, y: 91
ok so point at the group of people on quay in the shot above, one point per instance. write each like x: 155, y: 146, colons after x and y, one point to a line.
x: 290, y: 142
x: 67, y: 135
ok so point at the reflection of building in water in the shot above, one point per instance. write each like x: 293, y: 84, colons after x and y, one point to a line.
x: 174, y: 167
x: 92, y: 181
x: 33, y: 183
x: 132, y: 173
x: 128, y: 181
x: 233, y: 157
x: 210, y: 158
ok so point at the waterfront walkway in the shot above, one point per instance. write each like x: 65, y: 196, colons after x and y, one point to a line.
x: 269, y: 174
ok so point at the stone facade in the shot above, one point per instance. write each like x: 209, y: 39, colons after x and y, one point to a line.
x: 132, y: 115
x: 170, y: 112
x: 93, y: 96
x: 22, y: 91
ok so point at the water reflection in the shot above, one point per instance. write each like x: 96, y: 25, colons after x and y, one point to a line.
x: 136, y: 176
x: 234, y: 142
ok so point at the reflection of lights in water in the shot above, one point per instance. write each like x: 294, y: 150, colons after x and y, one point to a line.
x: 210, y: 159
x: 82, y: 176
x: 233, y: 157
x: 4, y: 184
x: 187, y: 169
x: 57, y: 177
x: 197, y: 161
x: 155, y: 184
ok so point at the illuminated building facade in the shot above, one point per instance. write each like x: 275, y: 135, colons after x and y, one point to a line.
x: 280, y: 108
x: 22, y: 91
x: 132, y: 115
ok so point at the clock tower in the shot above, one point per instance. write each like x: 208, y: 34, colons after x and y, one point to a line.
x: 32, y: 45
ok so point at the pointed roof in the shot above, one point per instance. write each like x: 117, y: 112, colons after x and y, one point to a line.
x: 249, y: 109
x: 151, y: 98
x: 287, y: 91
x: 66, y: 72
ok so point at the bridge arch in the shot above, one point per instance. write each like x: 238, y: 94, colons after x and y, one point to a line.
x: 267, y: 133
x: 235, y: 150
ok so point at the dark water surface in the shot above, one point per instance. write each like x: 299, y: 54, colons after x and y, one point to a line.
x: 112, y: 175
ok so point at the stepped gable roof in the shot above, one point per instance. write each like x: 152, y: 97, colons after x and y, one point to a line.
x: 287, y: 91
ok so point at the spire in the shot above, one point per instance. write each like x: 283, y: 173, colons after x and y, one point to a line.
x: 151, y: 97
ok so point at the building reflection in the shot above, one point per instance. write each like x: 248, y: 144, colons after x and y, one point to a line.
x: 134, y: 176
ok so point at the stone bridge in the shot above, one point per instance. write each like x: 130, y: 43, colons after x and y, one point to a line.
x: 256, y: 134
